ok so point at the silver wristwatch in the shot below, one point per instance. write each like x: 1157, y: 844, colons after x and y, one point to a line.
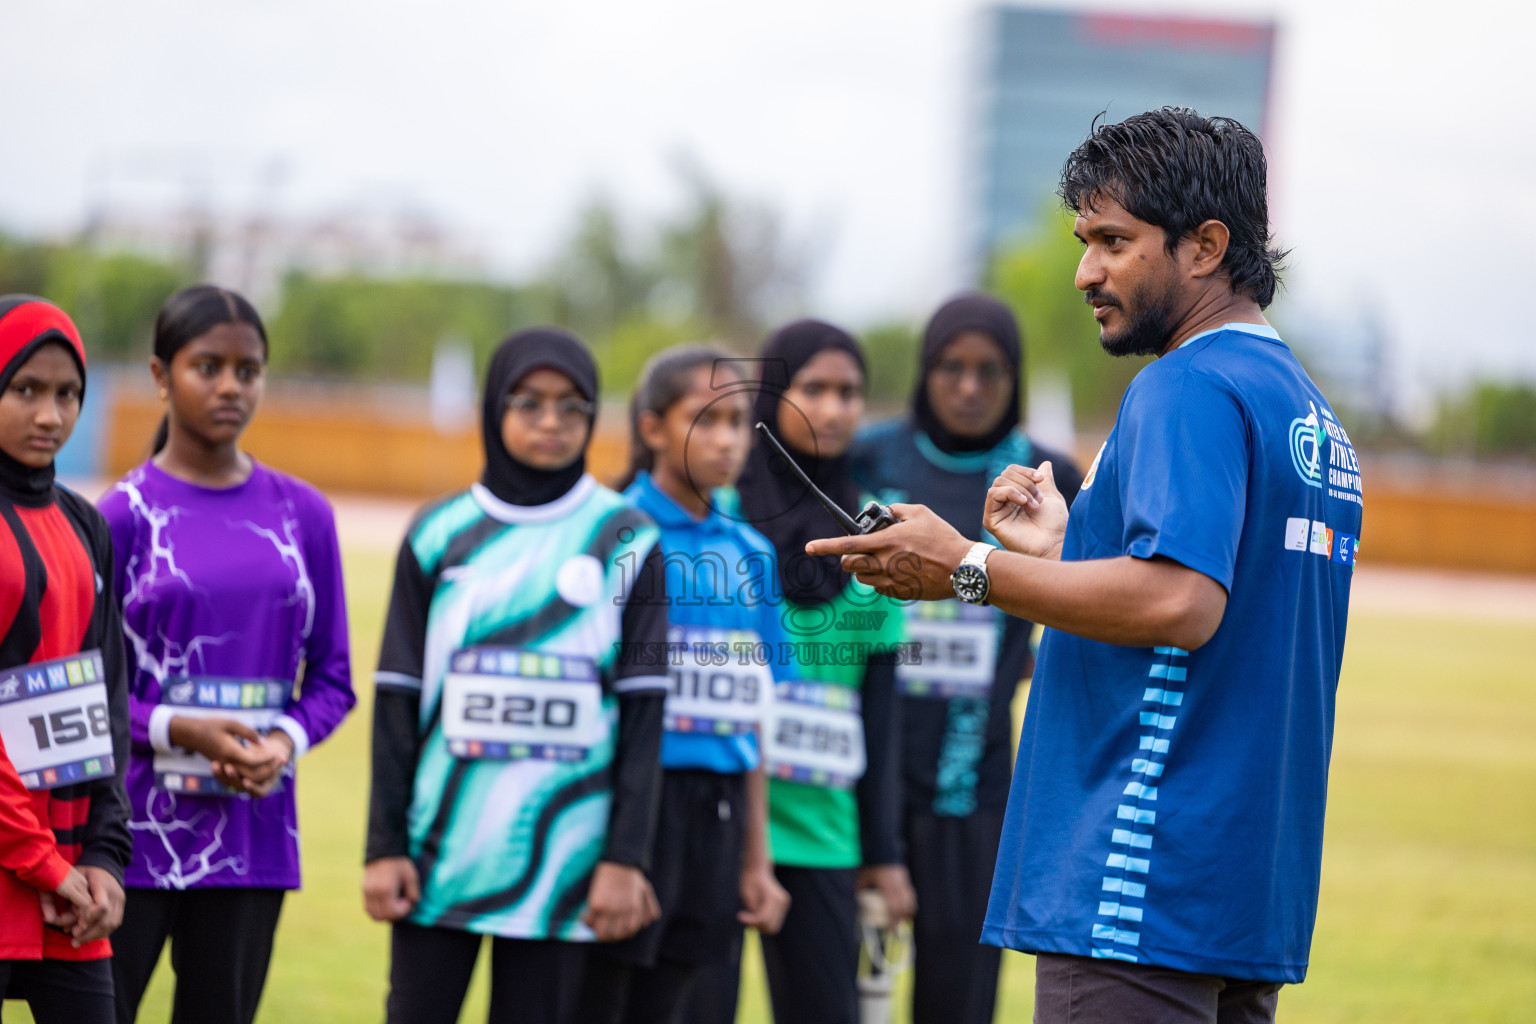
x: 970, y: 578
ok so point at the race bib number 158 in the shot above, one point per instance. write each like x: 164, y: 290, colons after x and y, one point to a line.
x: 55, y: 721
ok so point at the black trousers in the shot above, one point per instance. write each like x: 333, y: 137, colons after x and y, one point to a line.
x: 951, y: 860
x: 60, y: 991
x: 1079, y: 990
x: 221, y: 946
x: 533, y: 981
x: 697, y: 878
x: 812, y: 964
x: 618, y: 992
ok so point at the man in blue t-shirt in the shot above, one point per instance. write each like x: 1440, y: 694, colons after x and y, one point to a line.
x: 1163, y: 837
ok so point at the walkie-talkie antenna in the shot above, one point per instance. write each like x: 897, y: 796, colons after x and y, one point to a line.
x: 843, y: 518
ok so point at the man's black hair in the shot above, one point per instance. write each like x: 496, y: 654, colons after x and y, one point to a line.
x: 1176, y: 169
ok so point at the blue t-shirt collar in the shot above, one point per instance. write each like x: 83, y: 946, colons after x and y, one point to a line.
x: 1258, y: 330
x: 663, y: 508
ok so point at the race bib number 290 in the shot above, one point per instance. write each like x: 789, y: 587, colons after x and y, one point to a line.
x: 55, y: 721
x: 815, y: 735
x: 503, y: 703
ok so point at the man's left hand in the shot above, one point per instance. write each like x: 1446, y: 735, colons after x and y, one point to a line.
x: 911, y: 560
x: 107, y: 899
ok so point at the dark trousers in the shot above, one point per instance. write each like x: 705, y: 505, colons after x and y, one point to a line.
x: 616, y: 992
x: 713, y: 994
x: 533, y: 981
x: 951, y: 860
x: 812, y: 964
x: 221, y: 946
x: 1079, y: 990
x: 60, y: 991
x: 696, y: 875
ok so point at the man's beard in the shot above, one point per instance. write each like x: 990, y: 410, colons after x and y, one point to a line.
x: 1149, y: 325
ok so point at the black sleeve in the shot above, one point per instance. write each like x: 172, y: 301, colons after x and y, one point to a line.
x: 396, y: 708
x: 641, y: 681
x: 880, y: 792
x: 107, y: 843
x: 636, y: 779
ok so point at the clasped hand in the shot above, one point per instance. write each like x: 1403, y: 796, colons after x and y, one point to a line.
x: 244, y: 761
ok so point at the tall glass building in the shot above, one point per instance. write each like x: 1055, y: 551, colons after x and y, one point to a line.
x: 1044, y: 75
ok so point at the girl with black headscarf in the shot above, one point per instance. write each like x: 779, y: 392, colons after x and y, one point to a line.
x: 63, y: 689
x: 962, y: 431
x: 518, y: 716
x: 834, y: 826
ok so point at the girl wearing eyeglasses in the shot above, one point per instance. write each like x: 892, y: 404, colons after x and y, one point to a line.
x: 518, y: 712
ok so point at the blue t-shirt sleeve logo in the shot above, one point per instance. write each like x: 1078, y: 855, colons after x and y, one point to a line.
x: 1307, y: 448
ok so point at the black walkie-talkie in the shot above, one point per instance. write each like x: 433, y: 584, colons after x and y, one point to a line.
x: 874, y: 516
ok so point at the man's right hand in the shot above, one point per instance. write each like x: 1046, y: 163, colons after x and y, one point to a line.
x: 1026, y: 512
x: 391, y: 888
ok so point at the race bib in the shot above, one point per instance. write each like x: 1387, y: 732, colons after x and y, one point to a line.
x: 957, y: 647
x: 815, y: 735
x: 504, y: 704
x: 718, y: 689
x: 55, y: 721
x: 252, y: 702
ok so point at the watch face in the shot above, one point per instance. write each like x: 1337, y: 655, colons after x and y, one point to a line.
x: 970, y: 583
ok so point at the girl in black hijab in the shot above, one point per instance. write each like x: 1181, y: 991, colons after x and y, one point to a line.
x: 963, y: 430
x: 833, y: 830
x: 521, y: 684
x: 539, y: 348
x: 984, y: 315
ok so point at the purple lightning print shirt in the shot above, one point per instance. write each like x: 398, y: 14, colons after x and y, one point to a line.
x: 218, y: 587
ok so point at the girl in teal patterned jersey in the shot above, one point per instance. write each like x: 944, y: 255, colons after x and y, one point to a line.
x: 518, y: 711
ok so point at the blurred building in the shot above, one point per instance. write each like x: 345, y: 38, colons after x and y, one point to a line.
x: 252, y: 253
x: 1043, y: 75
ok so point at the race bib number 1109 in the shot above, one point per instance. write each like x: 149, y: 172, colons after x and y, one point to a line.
x: 715, y: 691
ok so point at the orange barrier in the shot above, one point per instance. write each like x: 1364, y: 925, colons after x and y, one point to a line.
x: 1419, y: 527
x: 351, y: 448
x: 344, y: 445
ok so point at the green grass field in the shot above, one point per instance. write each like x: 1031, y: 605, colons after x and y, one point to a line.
x: 1429, y: 874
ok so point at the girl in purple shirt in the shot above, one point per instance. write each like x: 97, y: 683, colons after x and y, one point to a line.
x: 235, y: 623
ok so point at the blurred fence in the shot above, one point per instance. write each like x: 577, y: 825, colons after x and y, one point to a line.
x: 346, y: 439
x: 381, y: 441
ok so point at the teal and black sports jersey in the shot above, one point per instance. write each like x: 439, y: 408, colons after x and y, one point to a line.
x: 506, y: 831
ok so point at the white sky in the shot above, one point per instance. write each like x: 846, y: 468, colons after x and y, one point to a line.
x: 1403, y: 133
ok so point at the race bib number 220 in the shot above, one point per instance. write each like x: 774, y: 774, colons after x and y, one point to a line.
x: 503, y: 703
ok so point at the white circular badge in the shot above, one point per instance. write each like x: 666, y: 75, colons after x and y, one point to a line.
x: 580, y: 580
